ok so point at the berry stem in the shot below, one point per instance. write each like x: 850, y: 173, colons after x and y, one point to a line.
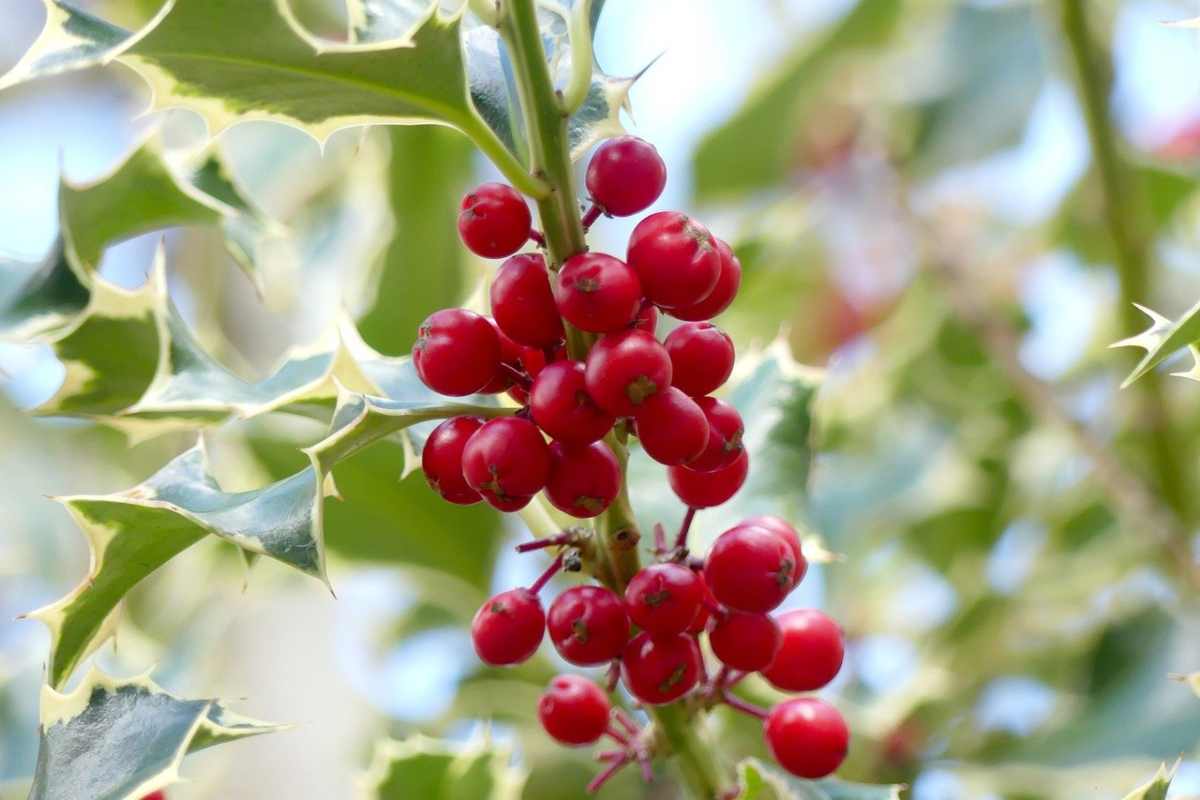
x: 606, y: 774
x: 660, y: 539
x: 625, y: 722
x: 536, y: 237
x: 738, y: 704
x: 545, y: 577
x: 591, y: 215
x: 684, y: 527
x: 562, y: 539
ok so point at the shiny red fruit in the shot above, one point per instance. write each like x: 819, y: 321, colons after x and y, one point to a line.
x: 675, y: 258
x: 584, y: 479
x: 700, y: 623
x: 523, y: 302
x: 441, y: 459
x: 672, y: 427
x: 562, y: 407
x: 664, y: 598
x: 494, y: 221
x: 457, y: 352
x: 625, y: 369
x: 588, y: 625
x: 750, y: 569
x: 597, y: 293
x: 811, y: 652
x: 745, y: 641
x: 808, y: 737
x: 701, y: 357
x: 507, y: 461
x: 722, y: 294
x: 785, y: 531
x: 659, y: 670
x: 574, y: 711
x: 510, y: 362
x: 508, y: 628
x: 712, y: 488
x: 626, y: 175
x: 647, y: 318
x: 725, y: 431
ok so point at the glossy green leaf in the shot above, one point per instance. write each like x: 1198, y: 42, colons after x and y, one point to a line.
x: 761, y: 782
x: 41, y: 299
x: 71, y: 39
x: 1156, y: 788
x: 1164, y: 339
x: 428, y: 768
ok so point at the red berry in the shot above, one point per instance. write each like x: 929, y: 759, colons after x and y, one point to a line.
x: 784, y: 529
x: 507, y: 461
x: 750, y: 569
x: 671, y: 427
x: 807, y: 736
x: 562, y: 406
x: 159, y: 795
x: 441, y: 459
x: 494, y: 220
x: 745, y: 641
x: 510, y: 359
x: 724, y: 292
x: 598, y: 293
x: 508, y: 628
x: 675, y: 258
x: 701, y: 357
x: 588, y: 625
x: 811, y: 652
x: 660, y: 669
x: 626, y: 175
x: 712, y: 488
x: 664, y: 598
x: 457, y: 352
x: 626, y: 368
x: 523, y: 303
x: 700, y: 623
x: 584, y: 479
x: 647, y: 318
x: 574, y: 711
x: 725, y: 431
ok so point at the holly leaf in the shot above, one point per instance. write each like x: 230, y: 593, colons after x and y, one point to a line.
x: 1162, y: 340
x: 113, y: 739
x: 71, y: 39
x: 37, y: 300
x: 1156, y: 788
x: 758, y: 781
x: 428, y: 768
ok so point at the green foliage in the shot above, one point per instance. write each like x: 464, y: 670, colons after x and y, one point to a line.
x: 1163, y: 339
x: 761, y: 782
x: 1157, y: 788
x: 423, y: 767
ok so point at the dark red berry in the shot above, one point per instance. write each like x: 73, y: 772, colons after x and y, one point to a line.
x: 510, y: 362
x: 441, y: 459
x: 584, y: 478
x: 807, y: 736
x: 598, y: 293
x: 700, y: 623
x: 588, y: 625
x: 745, y: 641
x: 701, y: 357
x: 675, y: 258
x: 647, y: 317
x: 811, y: 652
x: 508, y: 628
x: 574, y: 711
x: 457, y: 352
x: 722, y: 294
x: 507, y: 461
x: 494, y: 220
x: 626, y: 368
x: 660, y: 669
x: 664, y: 598
x: 725, y: 431
x: 523, y: 303
x: 786, y: 532
x: 562, y: 406
x: 712, y: 488
x: 626, y: 175
x: 159, y: 795
x: 671, y: 427
x: 750, y: 569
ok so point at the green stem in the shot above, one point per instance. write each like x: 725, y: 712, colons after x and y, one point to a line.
x: 490, y: 145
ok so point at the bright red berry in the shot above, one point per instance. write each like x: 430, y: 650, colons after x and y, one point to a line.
x: 588, y: 625
x: 675, y: 258
x: 494, y: 220
x: 507, y: 461
x: 807, y: 736
x: 562, y: 406
x: 725, y: 431
x: 700, y: 623
x: 664, y: 598
x: 584, y: 479
x: 712, y: 488
x: 647, y: 318
x: 750, y: 569
x: 745, y: 641
x: 574, y: 711
x: 159, y: 795
x: 786, y: 532
x: 625, y: 369
x: 441, y: 459
x: 508, y: 628
x: 660, y: 669
x: 510, y: 362
x: 598, y: 293
x: 722, y: 294
x: 672, y: 427
x: 457, y: 352
x: 701, y: 357
x: 811, y: 652
x: 626, y: 175
x: 523, y: 303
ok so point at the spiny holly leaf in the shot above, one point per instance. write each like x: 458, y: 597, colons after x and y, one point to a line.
x: 761, y: 782
x: 37, y: 300
x: 1157, y: 787
x: 70, y: 39
x: 113, y: 739
x: 428, y: 768
x: 1163, y: 339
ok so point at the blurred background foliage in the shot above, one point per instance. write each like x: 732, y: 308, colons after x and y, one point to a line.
x: 951, y: 205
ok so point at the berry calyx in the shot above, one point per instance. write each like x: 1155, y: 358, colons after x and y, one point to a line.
x: 598, y: 293
x: 441, y: 460
x: 523, y: 303
x: 508, y: 628
x: 457, y: 352
x: 672, y: 427
x: 675, y: 258
x: 745, y: 641
x: 750, y: 569
x: 661, y: 669
x: 588, y: 625
x: 625, y: 369
x: 507, y: 461
x: 808, y: 737
x: 785, y: 531
x: 722, y: 294
x: 494, y: 220
x: 573, y: 710
x: 725, y: 431
x: 584, y: 479
x: 712, y: 488
x: 664, y: 598
x: 562, y: 407
x: 510, y: 363
x: 701, y: 357
x: 626, y: 175
x: 810, y: 653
